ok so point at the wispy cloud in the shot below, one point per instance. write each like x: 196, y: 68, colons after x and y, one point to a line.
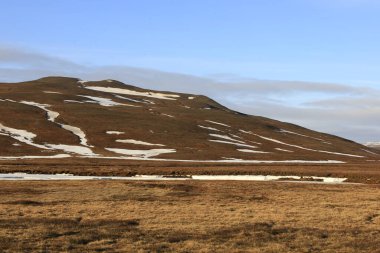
x: 349, y: 111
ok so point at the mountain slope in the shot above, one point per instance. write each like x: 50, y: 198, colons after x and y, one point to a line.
x: 58, y: 117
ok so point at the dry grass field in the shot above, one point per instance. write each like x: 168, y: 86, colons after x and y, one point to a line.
x: 192, y: 216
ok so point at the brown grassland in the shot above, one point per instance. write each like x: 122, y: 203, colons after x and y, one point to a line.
x: 191, y: 216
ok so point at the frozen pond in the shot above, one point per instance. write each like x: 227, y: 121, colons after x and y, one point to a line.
x: 298, y: 179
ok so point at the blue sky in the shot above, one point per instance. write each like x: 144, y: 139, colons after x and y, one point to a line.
x: 313, y: 40
x: 226, y: 41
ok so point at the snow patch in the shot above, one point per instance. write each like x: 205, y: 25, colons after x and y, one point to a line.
x: 141, y: 153
x: 265, y: 178
x: 252, y: 151
x: 134, y: 93
x: 369, y: 152
x: 309, y: 149
x: 52, y: 92
x: 52, y: 115
x: 209, y: 128
x: 246, y: 132
x: 20, y: 135
x: 72, y: 149
x: 26, y: 176
x: 167, y: 115
x: 134, y: 100
x: 73, y: 101
x: 131, y: 141
x: 234, y: 143
x: 114, y: 132
x: 217, y: 123
x: 284, y: 150
x: 34, y: 157
x: 27, y: 138
x: 78, y: 132
x: 227, y: 160
x: 7, y: 100
x: 226, y: 137
x: 104, y: 101
x: 290, y: 132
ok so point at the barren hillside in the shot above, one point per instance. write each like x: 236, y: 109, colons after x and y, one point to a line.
x: 66, y: 118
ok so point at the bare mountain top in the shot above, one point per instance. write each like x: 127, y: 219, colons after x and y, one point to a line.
x: 59, y: 117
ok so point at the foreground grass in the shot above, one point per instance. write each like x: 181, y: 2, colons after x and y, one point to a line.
x: 110, y: 216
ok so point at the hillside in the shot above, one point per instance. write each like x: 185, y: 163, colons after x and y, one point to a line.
x: 66, y: 118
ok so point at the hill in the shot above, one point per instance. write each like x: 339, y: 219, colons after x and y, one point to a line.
x: 375, y: 145
x: 67, y: 118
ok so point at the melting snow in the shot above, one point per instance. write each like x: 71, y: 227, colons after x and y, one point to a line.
x: 209, y: 128
x: 73, y: 101
x: 141, y: 153
x: 246, y: 132
x: 104, y: 101
x: 369, y: 152
x: 266, y: 178
x: 78, y: 132
x: 284, y: 150
x: 218, y: 123
x: 134, y: 100
x: 226, y: 160
x: 7, y: 100
x: 34, y: 157
x: 309, y: 149
x: 27, y: 137
x: 236, y: 136
x: 52, y: 92
x: 191, y: 98
x: 20, y: 135
x: 139, y: 142
x: 114, y: 132
x: 133, y: 93
x: 234, y: 143
x: 167, y: 115
x: 52, y: 115
x: 72, y: 149
x: 26, y: 176
x: 226, y: 137
x: 252, y: 151
x: 290, y: 132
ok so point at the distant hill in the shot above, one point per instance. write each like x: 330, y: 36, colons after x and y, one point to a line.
x: 65, y: 118
x: 375, y: 145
